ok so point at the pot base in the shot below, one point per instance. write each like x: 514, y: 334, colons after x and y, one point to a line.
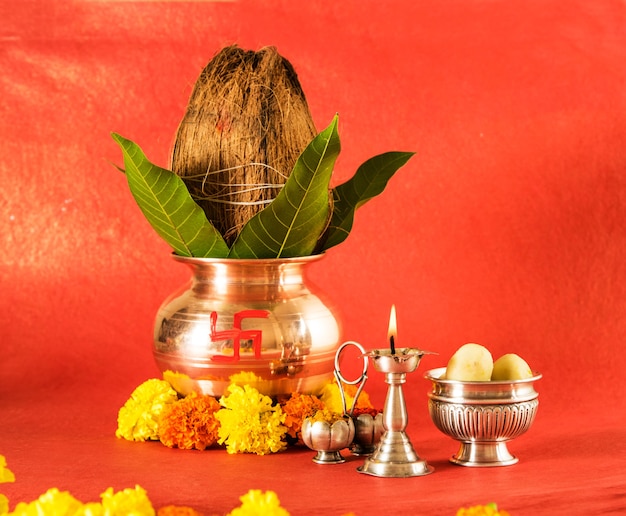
x: 481, y: 455
x: 184, y: 384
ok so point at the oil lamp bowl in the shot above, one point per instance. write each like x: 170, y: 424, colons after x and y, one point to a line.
x: 482, y: 416
x: 328, y: 439
x: 403, y: 360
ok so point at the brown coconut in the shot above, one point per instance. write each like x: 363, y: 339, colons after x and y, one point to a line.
x: 246, y: 123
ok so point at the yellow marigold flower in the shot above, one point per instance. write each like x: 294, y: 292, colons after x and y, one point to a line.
x: 255, y: 502
x: 173, y: 510
x: 180, y: 382
x: 327, y: 416
x: 244, y: 378
x: 53, y: 501
x: 331, y: 397
x: 491, y: 509
x: 6, y: 475
x: 4, y: 504
x: 297, y: 408
x: 129, y: 502
x: 91, y: 509
x: 249, y: 423
x: 249, y: 378
x: 190, y: 423
x: 138, y: 419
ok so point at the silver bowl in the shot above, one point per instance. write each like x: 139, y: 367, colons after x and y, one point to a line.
x: 327, y: 440
x: 482, y: 416
x: 367, y: 433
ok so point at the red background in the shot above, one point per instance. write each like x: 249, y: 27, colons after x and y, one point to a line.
x: 507, y: 228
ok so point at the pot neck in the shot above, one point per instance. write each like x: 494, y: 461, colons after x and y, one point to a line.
x: 253, y: 275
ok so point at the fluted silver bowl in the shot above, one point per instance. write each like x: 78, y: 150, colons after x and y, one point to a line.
x: 482, y: 416
x: 327, y: 440
x: 368, y: 430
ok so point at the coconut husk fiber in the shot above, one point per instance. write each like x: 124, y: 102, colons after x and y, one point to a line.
x: 246, y: 123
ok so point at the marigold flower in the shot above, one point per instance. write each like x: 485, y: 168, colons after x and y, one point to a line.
x: 249, y: 378
x: 180, y: 382
x: 491, y: 509
x: 249, y: 423
x: 129, y: 502
x: 244, y: 378
x: 327, y: 416
x: 297, y: 408
x: 91, y: 509
x: 173, y: 510
x: 371, y: 411
x: 6, y: 475
x: 331, y: 396
x: 53, y: 501
x: 138, y: 419
x: 190, y: 423
x: 256, y: 502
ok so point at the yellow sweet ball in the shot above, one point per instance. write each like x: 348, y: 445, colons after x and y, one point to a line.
x: 470, y: 363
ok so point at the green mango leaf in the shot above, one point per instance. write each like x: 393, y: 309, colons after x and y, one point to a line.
x: 165, y: 201
x: 370, y: 179
x: 293, y: 222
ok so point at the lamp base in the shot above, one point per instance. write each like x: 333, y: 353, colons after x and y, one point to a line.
x: 395, y: 457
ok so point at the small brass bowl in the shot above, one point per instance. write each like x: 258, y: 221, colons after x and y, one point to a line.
x: 327, y: 440
x: 367, y: 433
x: 482, y: 416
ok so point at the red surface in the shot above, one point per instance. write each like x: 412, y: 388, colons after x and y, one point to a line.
x: 507, y: 228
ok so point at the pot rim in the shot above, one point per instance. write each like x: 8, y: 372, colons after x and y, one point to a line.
x: 247, y: 261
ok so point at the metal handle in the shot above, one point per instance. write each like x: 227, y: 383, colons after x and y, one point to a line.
x: 342, y: 380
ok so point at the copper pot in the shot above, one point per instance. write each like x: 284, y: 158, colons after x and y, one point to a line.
x: 254, y: 322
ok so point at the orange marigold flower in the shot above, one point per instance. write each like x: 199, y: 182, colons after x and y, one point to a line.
x: 173, y: 510
x: 190, y: 423
x: 371, y: 411
x: 297, y: 408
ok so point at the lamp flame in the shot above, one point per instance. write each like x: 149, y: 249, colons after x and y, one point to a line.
x: 392, y: 333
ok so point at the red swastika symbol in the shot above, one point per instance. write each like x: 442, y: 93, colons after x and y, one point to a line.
x: 236, y: 334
